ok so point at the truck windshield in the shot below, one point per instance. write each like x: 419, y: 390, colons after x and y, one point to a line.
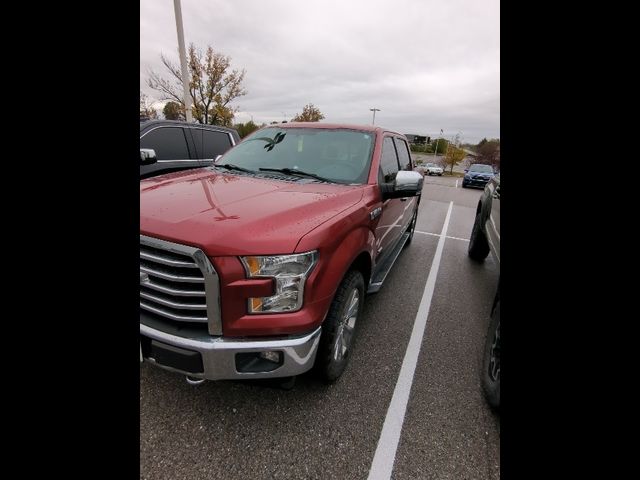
x: 340, y: 156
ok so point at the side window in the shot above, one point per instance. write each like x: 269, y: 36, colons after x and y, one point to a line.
x: 403, y: 154
x: 214, y: 144
x: 169, y: 143
x: 389, y: 161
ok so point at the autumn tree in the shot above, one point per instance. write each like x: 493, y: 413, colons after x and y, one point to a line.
x: 453, y: 156
x: 213, y: 85
x: 146, y: 110
x: 245, y: 129
x: 310, y: 113
x: 173, y: 111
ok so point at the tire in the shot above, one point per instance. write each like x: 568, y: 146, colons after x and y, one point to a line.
x: 412, y: 226
x: 478, y: 245
x: 491, y: 362
x: 338, y: 329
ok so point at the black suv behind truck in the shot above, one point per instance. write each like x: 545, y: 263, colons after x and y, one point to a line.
x: 181, y: 145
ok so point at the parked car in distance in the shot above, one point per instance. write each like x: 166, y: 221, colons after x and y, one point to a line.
x: 169, y: 146
x: 433, y: 169
x: 485, y: 238
x: 257, y: 267
x: 477, y: 175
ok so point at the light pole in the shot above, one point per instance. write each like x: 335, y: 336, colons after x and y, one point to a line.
x: 374, y: 110
x: 183, y: 61
x: 435, y: 150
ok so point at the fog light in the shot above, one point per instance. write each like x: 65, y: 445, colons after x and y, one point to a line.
x: 271, y: 356
x: 259, y: 362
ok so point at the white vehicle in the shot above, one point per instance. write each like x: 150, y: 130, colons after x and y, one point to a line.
x: 433, y: 169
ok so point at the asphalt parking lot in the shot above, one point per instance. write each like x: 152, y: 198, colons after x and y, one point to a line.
x: 231, y: 430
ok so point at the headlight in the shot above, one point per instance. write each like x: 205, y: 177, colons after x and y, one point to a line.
x: 290, y: 273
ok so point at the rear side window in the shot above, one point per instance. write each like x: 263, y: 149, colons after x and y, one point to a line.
x: 403, y: 154
x: 210, y: 144
x: 169, y: 143
x: 389, y: 161
x: 215, y: 143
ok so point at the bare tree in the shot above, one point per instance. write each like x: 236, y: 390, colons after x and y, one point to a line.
x: 146, y: 110
x: 489, y: 152
x: 213, y: 85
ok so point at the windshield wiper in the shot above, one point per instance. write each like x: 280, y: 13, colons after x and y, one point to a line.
x: 231, y: 166
x: 294, y: 171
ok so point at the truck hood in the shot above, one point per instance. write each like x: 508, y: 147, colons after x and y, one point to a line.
x: 229, y: 214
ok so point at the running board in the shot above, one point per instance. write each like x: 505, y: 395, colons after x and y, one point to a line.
x: 383, y: 270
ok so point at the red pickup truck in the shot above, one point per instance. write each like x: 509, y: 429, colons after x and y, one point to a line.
x: 258, y: 266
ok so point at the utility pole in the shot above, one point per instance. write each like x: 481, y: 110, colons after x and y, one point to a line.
x: 374, y: 110
x: 183, y: 61
x: 435, y: 150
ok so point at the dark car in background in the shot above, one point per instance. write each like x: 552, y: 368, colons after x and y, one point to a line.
x: 477, y: 175
x: 168, y: 146
x: 485, y: 238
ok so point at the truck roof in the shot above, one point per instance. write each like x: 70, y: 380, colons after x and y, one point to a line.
x: 364, y: 128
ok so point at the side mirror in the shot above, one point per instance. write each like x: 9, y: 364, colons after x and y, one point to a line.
x: 466, y: 170
x: 407, y: 184
x: 147, y: 156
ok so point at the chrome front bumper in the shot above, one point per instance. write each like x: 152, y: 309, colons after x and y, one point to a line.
x: 219, y: 354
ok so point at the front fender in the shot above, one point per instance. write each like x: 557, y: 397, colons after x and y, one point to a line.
x: 339, y: 242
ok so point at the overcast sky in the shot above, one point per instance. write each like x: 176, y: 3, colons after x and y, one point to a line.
x: 427, y: 65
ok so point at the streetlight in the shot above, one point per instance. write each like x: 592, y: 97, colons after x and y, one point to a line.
x: 374, y: 110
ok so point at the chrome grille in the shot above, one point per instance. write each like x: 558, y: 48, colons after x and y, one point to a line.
x: 178, y: 283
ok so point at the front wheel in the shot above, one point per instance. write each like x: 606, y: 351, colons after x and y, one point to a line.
x: 491, y: 362
x: 478, y: 245
x: 338, y: 328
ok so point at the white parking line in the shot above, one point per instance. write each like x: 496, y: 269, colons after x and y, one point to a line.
x: 385, y: 455
x: 456, y: 183
x: 437, y: 235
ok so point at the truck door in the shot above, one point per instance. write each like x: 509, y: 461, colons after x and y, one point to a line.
x: 405, y: 164
x: 391, y: 219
